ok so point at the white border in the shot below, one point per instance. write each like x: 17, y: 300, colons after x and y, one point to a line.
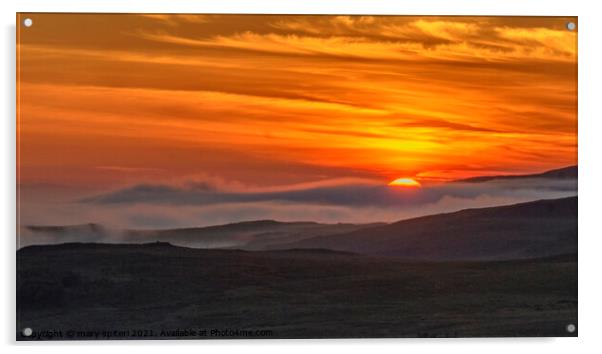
x: 432, y: 7
x: 590, y: 170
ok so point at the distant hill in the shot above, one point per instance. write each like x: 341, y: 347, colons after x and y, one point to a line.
x: 471, y: 234
x: 561, y: 173
x: 249, y: 235
x: 61, y: 234
x: 535, y: 229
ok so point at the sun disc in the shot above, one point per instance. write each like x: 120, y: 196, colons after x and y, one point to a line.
x: 405, y: 182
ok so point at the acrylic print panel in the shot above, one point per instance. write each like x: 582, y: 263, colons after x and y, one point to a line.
x: 246, y: 176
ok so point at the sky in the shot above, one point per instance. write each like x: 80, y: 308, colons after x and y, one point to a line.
x: 179, y: 120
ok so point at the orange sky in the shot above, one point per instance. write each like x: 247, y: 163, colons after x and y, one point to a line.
x: 106, y: 100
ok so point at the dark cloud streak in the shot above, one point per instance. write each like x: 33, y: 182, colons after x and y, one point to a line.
x: 348, y: 195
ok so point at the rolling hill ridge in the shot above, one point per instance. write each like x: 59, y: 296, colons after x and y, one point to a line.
x: 527, y: 230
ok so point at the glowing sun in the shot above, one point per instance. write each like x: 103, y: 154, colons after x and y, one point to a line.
x: 405, y: 182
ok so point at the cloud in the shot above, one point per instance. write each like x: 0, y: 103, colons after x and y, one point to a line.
x: 468, y: 39
x: 558, y: 42
x: 337, y: 194
x: 446, y: 125
x: 518, y: 45
x: 426, y: 31
x: 198, y: 203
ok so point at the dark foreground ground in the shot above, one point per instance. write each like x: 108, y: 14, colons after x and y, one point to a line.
x: 159, y: 291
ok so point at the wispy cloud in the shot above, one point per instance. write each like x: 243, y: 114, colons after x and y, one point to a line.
x: 338, y: 194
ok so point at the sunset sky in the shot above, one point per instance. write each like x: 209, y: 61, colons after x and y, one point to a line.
x: 271, y: 103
